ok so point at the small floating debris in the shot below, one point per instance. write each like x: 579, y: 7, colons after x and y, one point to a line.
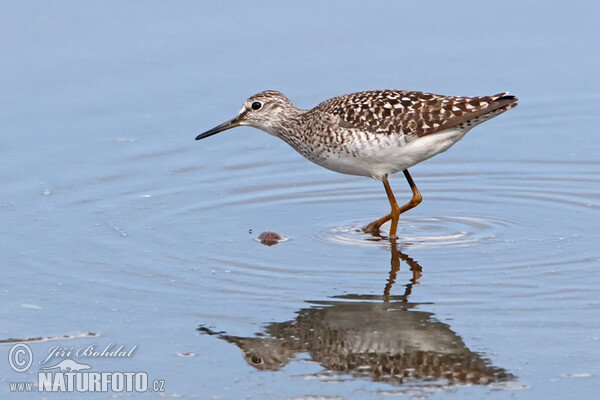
x: 186, y: 354
x: 270, y: 238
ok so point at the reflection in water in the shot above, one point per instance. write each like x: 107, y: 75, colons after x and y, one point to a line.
x: 383, y: 338
x: 414, y: 266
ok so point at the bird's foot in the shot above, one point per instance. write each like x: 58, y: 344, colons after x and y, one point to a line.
x: 373, y: 227
x: 373, y: 230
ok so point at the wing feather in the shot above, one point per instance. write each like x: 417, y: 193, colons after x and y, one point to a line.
x: 410, y: 113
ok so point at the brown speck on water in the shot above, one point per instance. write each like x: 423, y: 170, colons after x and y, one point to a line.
x: 269, y: 238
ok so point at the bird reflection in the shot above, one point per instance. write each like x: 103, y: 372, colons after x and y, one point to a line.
x: 382, y: 338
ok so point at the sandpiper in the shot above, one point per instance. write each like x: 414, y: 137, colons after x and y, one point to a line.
x: 373, y: 133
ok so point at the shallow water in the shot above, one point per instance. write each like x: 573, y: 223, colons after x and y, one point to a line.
x: 119, y: 228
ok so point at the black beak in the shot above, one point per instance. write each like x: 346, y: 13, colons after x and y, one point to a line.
x: 232, y: 123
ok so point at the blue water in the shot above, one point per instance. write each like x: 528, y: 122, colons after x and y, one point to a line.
x: 116, y: 222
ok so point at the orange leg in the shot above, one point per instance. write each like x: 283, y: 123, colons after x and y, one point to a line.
x: 374, y: 226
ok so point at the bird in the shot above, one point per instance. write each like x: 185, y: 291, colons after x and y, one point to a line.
x: 374, y: 133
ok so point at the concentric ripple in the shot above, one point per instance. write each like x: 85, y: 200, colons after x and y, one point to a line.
x: 426, y: 232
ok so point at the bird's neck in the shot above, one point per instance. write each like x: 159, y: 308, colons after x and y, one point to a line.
x: 287, y: 124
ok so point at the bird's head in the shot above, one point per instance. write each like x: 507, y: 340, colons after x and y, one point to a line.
x: 267, y: 111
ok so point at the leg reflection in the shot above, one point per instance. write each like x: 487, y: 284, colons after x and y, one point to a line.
x: 414, y: 266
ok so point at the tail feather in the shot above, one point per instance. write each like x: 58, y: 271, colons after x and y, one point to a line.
x: 495, y: 105
x: 503, y: 100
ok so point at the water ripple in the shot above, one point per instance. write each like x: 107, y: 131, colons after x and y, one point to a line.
x: 426, y: 232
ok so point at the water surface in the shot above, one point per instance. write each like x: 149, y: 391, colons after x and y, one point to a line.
x: 117, y: 227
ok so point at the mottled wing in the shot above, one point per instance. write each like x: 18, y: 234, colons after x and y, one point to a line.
x: 412, y: 113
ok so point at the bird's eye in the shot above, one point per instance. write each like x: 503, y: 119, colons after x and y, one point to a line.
x: 255, y: 359
x: 256, y: 105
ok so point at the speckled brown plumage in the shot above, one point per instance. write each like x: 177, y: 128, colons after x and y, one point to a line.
x: 410, y: 113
